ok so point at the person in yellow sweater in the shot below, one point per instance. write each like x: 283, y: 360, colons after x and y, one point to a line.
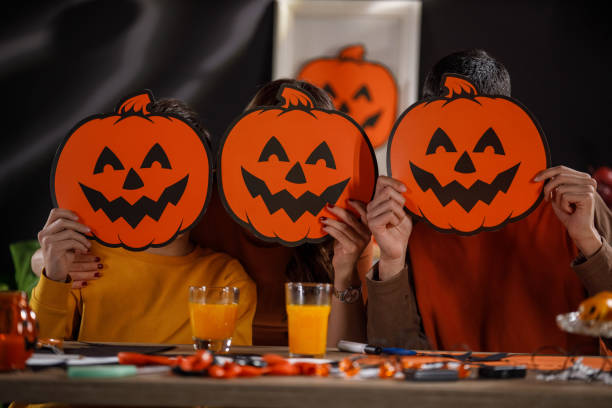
x: 143, y: 297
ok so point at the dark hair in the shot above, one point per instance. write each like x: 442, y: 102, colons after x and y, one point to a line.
x: 180, y: 109
x: 488, y: 75
x: 310, y: 262
x: 266, y: 96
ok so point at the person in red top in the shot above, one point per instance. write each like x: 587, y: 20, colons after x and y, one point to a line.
x: 497, y: 290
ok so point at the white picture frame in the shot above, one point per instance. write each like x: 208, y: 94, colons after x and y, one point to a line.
x: 390, y: 31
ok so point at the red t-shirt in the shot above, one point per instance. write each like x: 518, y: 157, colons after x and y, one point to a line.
x: 498, y: 290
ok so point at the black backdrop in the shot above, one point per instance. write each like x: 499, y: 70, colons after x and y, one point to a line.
x: 63, y: 60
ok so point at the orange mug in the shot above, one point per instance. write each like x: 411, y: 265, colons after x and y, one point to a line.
x: 18, y: 330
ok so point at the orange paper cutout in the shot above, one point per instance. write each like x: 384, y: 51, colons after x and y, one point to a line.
x: 364, y: 90
x: 468, y: 160
x: 280, y: 165
x: 136, y: 179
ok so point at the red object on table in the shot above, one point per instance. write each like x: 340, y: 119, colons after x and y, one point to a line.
x: 18, y: 330
x: 603, y: 176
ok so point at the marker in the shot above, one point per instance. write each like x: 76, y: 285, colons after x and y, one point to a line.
x: 361, y: 348
x: 113, y: 371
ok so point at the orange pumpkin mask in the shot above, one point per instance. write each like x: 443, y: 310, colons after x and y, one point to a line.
x: 468, y: 160
x: 279, y: 166
x: 364, y: 90
x: 136, y: 179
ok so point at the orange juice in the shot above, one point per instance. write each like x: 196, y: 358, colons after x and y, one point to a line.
x: 308, y: 329
x: 213, y: 321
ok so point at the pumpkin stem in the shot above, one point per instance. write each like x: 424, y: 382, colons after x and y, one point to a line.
x: 354, y: 52
x: 135, y: 104
x: 292, y: 97
x: 458, y: 86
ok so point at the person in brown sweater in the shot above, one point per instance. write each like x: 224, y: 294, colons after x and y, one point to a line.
x: 497, y: 290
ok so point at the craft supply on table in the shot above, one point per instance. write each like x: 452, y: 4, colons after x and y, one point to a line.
x: 113, y: 371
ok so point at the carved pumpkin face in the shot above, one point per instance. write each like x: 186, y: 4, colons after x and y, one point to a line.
x: 468, y: 160
x: 364, y: 90
x: 280, y: 166
x: 597, y: 308
x: 136, y: 179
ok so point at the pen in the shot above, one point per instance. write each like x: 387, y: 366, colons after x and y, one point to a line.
x: 354, y: 347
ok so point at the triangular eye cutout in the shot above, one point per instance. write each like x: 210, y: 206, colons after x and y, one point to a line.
x: 322, y: 152
x: 156, y: 154
x: 440, y: 138
x: 107, y: 157
x: 489, y: 138
x: 273, y: 147
x: 363, y: 91
x: 327, y: 88
x: 371, y: 121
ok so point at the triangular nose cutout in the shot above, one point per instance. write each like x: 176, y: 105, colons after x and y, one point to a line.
x: 132, y: 181
x: 344, y: 108
x: 296, y: 174
x: 465, y: 164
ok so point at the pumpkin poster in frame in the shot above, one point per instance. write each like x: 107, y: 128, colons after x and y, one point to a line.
x: 389, y: 31
x: 136, y: 178
x: 280, y: 166
x: 468, y: 160
x: 363, y: 89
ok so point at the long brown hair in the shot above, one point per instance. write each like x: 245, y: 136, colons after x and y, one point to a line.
x: 310, y: 262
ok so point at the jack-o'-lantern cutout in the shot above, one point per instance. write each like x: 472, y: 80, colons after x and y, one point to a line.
x: 279, y: 166
x: 135, y: 178
x: 468, y: 160
x: 364, y: 90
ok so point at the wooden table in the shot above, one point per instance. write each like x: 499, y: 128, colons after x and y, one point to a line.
x: 169, y: 390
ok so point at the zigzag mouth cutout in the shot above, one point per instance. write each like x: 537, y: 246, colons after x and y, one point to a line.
x: 465, y: 197
x: 133, y: 214
x: 283, y: 200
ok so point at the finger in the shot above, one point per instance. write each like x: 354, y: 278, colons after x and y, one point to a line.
x: 79, y: 284
x: 388, y: 193
x: 568, y: 179
x: 360, y: 207
x: 67, y: 245
x: 384, y: 181
x: 340, y: 226
x: 63, y: 224
x: 384, y: 220
x: 56, y: 213
x: 84, y: 276
x: 388, y: 206
x: 85, y: 267
x: 574, y: 188
x: 556, y: 171
x: 570, y: 201
x: 87, y: 258
x: 348, y: 244
x: 68, y: 234
x: 348, y: 218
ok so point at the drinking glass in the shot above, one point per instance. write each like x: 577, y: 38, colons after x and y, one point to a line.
x: 213, y: 312
x: 308, y: 306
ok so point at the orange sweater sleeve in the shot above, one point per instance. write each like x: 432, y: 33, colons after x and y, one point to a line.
x: 55, y: 305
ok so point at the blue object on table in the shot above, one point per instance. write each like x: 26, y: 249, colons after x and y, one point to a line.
x: 397, y: 351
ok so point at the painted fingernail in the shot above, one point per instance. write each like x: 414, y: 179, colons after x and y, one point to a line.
x: 330, y: 205
x: 97, y: 274
x: 97, y: 259
x: 100, y: 266
x: 84, y: 284
x: 322, y: 218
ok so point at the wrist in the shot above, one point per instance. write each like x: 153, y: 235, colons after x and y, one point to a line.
x: 589, y: 244
x: 344, y: 280
x: 55, y: 276
x: 387, y: 268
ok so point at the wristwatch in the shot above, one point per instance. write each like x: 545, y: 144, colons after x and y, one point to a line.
x: 348, y: 295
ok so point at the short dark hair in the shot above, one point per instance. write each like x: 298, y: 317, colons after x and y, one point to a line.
x: 181, y: 110
x: 486, y: 73
x: 267, y: 94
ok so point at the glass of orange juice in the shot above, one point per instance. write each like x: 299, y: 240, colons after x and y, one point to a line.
x: 213, y: 312
x: 308, y: 306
